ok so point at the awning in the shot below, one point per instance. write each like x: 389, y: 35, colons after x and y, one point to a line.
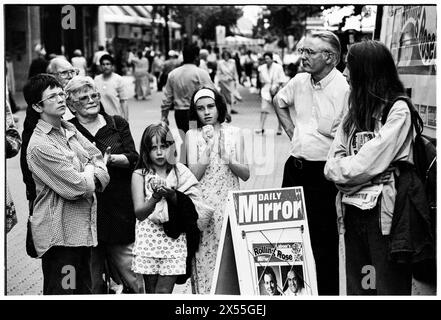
x: 138, y: 15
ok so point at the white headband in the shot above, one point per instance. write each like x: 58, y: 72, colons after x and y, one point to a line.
x: 203, y: 93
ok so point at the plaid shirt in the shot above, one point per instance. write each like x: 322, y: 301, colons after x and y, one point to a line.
x: 65, y: 206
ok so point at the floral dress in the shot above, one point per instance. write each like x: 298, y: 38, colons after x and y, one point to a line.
x: 215, y: 184
x: 155, y: 252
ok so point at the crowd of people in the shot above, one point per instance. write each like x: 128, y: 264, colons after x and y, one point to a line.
x: 145, y: 220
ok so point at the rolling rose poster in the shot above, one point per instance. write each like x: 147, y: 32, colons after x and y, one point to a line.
x: 271, y: 242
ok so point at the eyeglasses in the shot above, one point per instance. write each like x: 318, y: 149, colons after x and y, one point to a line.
x: 53, y: 97
x: 85, y: 99
x: 68, y: 73
x: 309, y: 52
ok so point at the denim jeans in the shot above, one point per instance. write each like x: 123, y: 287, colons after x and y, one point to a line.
x: 367, y: 257
x: 66, y: 270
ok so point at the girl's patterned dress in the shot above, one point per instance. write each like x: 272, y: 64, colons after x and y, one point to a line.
x: 155, y: 252
x: 217, y: 181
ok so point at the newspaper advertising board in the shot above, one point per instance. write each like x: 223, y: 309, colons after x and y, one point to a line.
x: 409, y: 31
x: 270, y: 236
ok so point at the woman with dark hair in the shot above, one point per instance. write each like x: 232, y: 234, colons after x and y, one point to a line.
x: 67, y: 170
x: 367, y: 154
x: 115, y: 217
x: 215, y: 155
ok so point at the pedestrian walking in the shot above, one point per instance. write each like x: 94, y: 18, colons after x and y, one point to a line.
x: 215, y: 153
x: 157, y: 67
x: 182, y: 82
x: 79, y: 62
x: 248, y: 67
x: 96, y: 64
x: 213, y: 57
x: 203, y: 55
x: 115, y: 216
x: 272, y: 78
x: 67, y: 170
x: 170, y: 64
x: 228, y: 80
x: 363, y: 160
x: 39, y: 64
x: 142, y: 76
x: 318, y: 97
x: 111, y: 86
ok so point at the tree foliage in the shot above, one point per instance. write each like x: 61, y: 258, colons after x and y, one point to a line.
x: 208, y: 17
x: 284, y: 19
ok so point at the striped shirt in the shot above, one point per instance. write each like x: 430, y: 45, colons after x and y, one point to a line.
x: 65, y: 206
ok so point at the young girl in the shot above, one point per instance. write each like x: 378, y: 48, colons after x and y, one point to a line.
x: 160, y: 188
x: 215, y: 154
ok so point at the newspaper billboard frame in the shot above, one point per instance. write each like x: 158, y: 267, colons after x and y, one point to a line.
x: 267, y: 239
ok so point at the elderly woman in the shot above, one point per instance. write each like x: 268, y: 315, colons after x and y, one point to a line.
x: 116, y: 218
x: 67, y: 170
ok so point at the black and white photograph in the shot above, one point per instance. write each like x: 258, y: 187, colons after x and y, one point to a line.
x: 134, y: 130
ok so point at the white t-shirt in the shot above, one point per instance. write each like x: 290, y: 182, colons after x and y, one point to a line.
x: 112, y: 90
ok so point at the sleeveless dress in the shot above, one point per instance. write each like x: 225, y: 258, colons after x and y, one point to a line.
x: 154, y: 251
x: 215, y: 184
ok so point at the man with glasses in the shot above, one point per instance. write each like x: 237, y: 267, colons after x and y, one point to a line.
x: 114, y: 94
x: 319, y: 98
x: 64, y: 72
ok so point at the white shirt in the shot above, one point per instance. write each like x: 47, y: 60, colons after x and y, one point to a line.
x: 112, y: 90
x: 318, y: 110
x: 301, y: 292
x: 268, y: 77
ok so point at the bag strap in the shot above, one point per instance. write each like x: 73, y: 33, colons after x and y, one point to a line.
x: 417, y: 122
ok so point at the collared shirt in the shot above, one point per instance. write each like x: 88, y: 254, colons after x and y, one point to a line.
x: 318, y: 110
x: 112, y: 90
x: 182, y: 82
x: 65, y: 206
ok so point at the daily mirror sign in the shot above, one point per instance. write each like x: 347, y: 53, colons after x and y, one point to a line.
x: 270, y: 236
x: 269, y: 206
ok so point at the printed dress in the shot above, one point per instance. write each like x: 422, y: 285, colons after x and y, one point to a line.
x: 215, y: 184
x: 155, y: 252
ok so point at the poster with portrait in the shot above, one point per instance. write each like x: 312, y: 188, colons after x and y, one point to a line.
x: 271, y: 244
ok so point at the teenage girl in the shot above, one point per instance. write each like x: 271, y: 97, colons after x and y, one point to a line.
x: 215, y: 154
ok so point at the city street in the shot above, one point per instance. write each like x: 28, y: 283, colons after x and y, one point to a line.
x: 24, y: 276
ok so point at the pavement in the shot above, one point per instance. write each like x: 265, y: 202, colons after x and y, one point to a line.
x: 266, y: 156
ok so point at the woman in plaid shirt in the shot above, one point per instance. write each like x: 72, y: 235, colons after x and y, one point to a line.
x: 67, y: 169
